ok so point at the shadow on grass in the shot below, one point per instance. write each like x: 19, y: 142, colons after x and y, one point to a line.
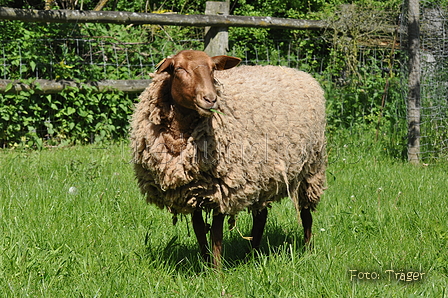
x: 185, y: 258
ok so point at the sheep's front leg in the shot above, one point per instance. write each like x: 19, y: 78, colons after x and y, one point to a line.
x: 216, y: 237
x: 307, y: 222
x: 200, y: 231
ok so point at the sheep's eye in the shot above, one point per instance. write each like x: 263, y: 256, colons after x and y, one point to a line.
x: 180, y: 70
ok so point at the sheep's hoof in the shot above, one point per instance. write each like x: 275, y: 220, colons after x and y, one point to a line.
x: 308, y: 245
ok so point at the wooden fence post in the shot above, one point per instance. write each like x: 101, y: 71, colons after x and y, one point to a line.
x: 216, y: 38
x: 413, y: 109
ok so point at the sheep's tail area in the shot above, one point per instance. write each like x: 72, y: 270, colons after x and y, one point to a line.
x: 294, y: 198
x: 306, y: 193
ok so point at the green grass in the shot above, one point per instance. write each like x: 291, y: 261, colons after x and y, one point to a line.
x: 103, y: 240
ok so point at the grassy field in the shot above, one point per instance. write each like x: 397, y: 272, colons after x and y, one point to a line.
x: 73, y: 224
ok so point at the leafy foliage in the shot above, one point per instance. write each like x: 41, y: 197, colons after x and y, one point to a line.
x: 73, y: 116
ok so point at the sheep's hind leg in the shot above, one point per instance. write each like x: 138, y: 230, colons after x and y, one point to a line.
x: 259, y: 222
x: 200, y: 230
x: 216, y: 237
x: 307, y: 222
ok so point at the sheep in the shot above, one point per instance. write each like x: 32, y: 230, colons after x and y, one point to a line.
x: 209, y: 136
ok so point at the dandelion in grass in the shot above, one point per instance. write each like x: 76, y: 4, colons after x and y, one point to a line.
x: 73, y: 190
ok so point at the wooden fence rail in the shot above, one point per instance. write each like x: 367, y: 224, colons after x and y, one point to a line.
x: 41, y: 86
x: 122, y: 17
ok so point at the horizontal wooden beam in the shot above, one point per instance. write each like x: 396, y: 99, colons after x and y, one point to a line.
x: 121, y: 17
x: 48, y: 87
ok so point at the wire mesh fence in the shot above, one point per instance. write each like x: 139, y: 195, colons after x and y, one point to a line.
x: 83, y: 59
x: 99, y: 59
x: 434, y: 61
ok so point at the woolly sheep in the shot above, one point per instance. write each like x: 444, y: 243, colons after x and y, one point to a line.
x: 229, y: 140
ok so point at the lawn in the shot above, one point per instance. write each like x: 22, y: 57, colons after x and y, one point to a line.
x: 73, y: 224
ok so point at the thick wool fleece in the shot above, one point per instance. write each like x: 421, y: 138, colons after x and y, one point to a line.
x: 268, y: 144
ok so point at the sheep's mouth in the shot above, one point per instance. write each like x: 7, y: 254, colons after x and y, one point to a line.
x: 205, y: 109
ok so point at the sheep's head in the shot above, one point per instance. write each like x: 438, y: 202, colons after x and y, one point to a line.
x: 192, y: 79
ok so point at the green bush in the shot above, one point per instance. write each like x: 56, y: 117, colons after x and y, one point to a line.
x: 73, y: 116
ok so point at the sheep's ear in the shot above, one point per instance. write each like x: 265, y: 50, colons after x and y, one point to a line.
x: 225, y: 62
x: 164, y: 65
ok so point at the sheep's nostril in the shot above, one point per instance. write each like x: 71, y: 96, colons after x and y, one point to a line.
x: 210, y: 100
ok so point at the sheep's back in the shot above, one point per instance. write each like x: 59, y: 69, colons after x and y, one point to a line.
x: 272, y: 97
x: 272, y: 136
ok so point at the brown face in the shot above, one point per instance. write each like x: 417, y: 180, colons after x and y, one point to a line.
x: 192, y: 84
